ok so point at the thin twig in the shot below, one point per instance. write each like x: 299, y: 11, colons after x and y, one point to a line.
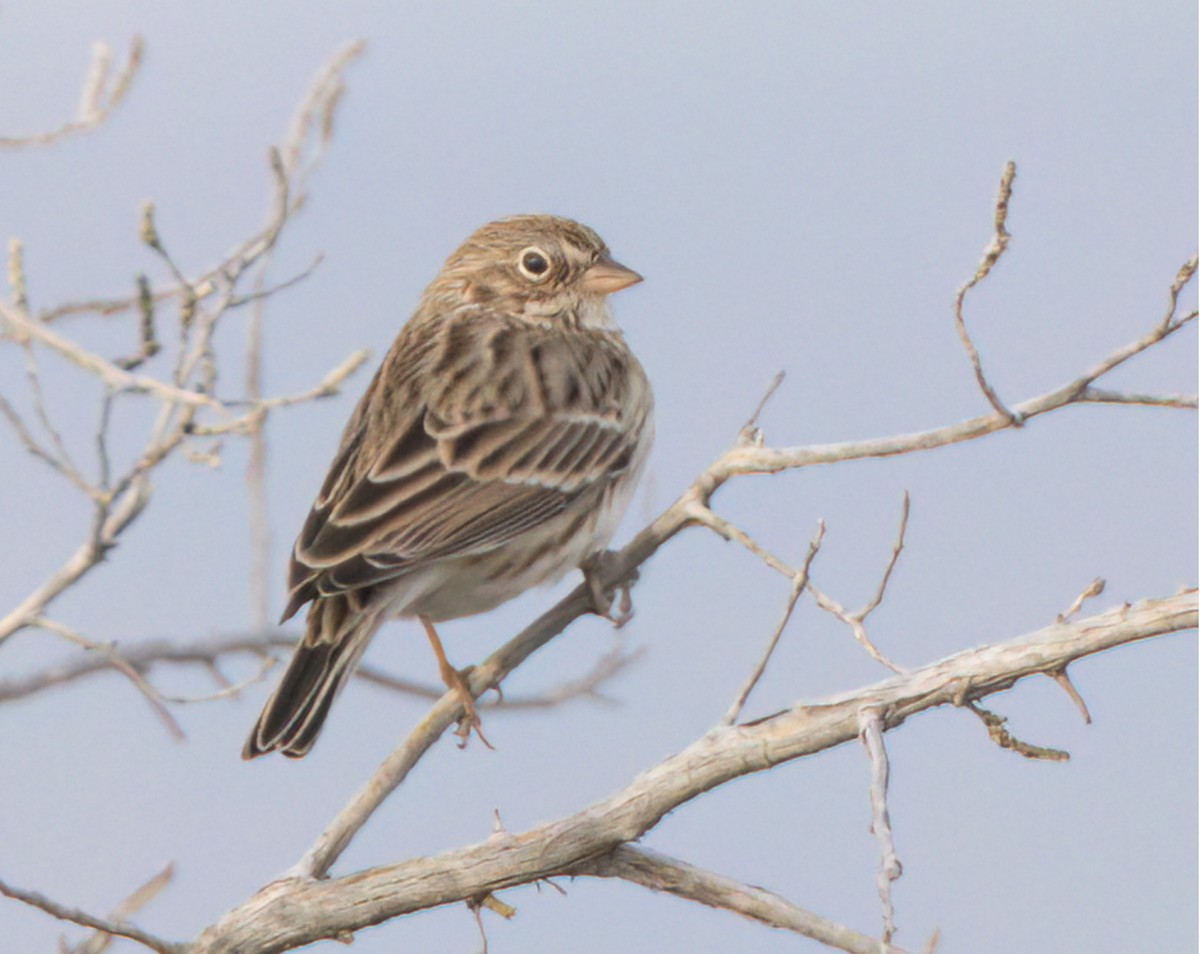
x: 60, y: 455
x: 897, y: 549
x: 799, y: 582
x: 1187, y: 271
x: 1092, y: 590
x: 30, y: 443
x: 114, y: 659
x: 115, y: 378
x: 870, y: 733
x: 750, y: 432
x: 100, y: 941
x: 659, y: 872
x: 98, y: 98
x: 256, y: 473
x: 1064, y: 681
x: 1105, y: 396
x: 144, y: 656
x: 319, y: 102
x: 262, y: 291
x: 16, y: 273
x: 1006, y: 740
x: 82, y: 918
x: 751, y: 459
x: 702, y: 514
x: 991, y: 255
x: 857, y: 619
x: 587, y: 686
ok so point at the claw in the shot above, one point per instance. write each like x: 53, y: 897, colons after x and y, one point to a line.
x: 456, y: 681
x: 598, y: 568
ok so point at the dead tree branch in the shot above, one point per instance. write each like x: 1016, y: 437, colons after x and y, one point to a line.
x: 112, y: 928
x: 103, y: 91
x: 659, y: 872
x: 295, y: 910
x: 189, y: 405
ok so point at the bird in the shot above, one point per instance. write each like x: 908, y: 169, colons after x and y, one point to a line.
x: 495, y: 449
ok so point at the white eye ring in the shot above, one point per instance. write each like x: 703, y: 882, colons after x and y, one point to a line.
x: 534, y: 263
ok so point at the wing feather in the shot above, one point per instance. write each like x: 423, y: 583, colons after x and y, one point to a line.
x: 476, y: 429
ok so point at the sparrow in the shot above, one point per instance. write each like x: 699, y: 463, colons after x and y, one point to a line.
x: 495, y: 450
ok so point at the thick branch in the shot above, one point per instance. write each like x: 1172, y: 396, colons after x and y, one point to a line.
x: 746, y: 457
x: 292, y: 912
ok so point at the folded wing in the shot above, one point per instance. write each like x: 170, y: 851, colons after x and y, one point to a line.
x: 500, y: 428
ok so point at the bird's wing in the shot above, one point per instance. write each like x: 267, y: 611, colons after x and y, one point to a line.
x: 470, y: 435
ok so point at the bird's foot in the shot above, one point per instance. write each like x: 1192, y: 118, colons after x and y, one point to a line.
x: 600, y: 568
x: 469, y: 721
x: 456, y: 681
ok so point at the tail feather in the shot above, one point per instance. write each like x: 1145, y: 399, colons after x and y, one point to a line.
x: 336, y: 638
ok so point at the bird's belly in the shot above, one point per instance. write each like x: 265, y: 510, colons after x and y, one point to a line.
x: 481, y: 582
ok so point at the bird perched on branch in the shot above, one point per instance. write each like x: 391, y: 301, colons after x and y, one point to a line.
x: 495, y: 449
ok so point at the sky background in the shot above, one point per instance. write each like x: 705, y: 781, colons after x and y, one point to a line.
x: 803, y: 186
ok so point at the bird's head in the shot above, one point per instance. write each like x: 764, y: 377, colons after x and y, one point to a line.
x: 540, y: 267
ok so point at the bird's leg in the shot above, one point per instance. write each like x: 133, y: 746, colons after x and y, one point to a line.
x: 599, y: 568
x: 454, y: 680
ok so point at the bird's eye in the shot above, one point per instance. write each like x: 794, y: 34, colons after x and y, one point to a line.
x: 533, y: 263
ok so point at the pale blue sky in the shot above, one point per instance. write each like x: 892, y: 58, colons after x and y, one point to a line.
x: 804, y: 187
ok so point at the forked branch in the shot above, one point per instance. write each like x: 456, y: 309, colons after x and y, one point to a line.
x: 296, y: 910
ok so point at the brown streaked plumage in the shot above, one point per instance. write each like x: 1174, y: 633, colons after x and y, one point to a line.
x: 495, y: 449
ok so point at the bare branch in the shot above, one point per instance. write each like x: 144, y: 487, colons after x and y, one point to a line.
x: 1092, y: 590
x: 256, y: 468
x: 799, y: 582
x: 1068, y: 687
x: 141, y: 658
x: 329, y: 386
x: 587, y: 686
x: 120, y: 665
x: 662, y: 873
x: 108, y: 526
x: 144, y: 656
x: 1105, y: 396
x: 1006, y: 740
x: 25, y: 436
x: 702, y: 514
x: 295, y: 910
x: 102, y: 93
x: 101, y: 940
x: 320, y: 103
x: 856, y: 619
x: 751, y: 426
x: 749, y: 459
x: 191, y: 389
x: 16, y: 273
x: 1187, y: 271
x: 74, y: 915
x: 870, y: 733
x: 114, y: 377
x: 741, y: 459
x: 991, y: 255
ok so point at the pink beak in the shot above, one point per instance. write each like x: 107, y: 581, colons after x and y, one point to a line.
x: 607, y: 276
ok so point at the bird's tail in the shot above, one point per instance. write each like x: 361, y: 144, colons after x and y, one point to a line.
x: 338, y: 633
